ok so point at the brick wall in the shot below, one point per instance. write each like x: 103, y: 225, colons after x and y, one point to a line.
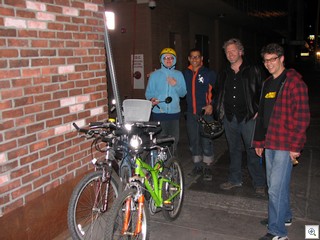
x: 52, y: 73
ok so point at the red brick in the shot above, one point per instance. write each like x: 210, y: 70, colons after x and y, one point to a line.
x: 27, y: 33
x: 37, y: 146
x: 20, y: 172
x: 48, y: 151
x: 15, y: 3
x: 33, y: 109
x: 78, y: 20
x: 39, y: 62
x: 35, y: 128
x: 29, y: 53
x: 25, y: 120
x: 21, y: 191
x: 29, y: 158
x: 15, y: 183
x: 46, y: 34
x: 12, y: 113
x: 64, y: 35
x: 5, y: 105
x: 25, y: 14
x: 48, y: 52
x: 32, y: 72
x: 17, y: 43
x: 9, y: 53
x: 3, y: 64
x: 6, y: 125
x: 6, y: 11
x: 33, y: 90
x: 53, y: 122
x: 44, y: 115
x: 27, y: 140
x: 40, y: 182
x: 54, y: 8
x: 39, y: 43
x: 50, y: 168
x: 51, y: 105
x: 8, y: 32
x: 17, y: 63
x: 57, y: 61
x: 9, y: 166
x: 16, y: 153
x: 23, y: 101
x: 55, y: 26
x: 31, y: 177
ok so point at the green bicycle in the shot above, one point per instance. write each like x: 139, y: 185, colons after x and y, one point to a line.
x: 160, y: 184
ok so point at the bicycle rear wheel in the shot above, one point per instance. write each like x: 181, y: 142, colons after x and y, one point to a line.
x: 124, y: 217
x: 88, y: 205
x: 173, y: 172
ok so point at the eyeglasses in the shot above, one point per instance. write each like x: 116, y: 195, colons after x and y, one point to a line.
x: 195, y: 57
x: 168, y: 58
x: 270, y: 60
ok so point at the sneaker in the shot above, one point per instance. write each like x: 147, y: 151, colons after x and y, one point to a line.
x: 260, y: 191
x: 270, y: 236
x: 196, y: 171
x: 207, y: 174
x: 229, y: 185
x: 287, y: 223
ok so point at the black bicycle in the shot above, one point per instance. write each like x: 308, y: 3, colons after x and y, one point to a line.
x: 96, y: 192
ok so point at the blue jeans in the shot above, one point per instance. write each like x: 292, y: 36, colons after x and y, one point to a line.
x: 201, y: 148
x: 235, y: 133
x: 279, y: 167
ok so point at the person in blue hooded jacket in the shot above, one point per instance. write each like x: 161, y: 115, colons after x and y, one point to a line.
x: 164, y: 83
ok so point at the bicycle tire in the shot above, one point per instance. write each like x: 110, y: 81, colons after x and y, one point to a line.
x: 172, y: 170
x: 116, y: 218
x: 85, y: 219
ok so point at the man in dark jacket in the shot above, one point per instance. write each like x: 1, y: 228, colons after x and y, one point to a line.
x: 280, y: 131
x: 239, y: 88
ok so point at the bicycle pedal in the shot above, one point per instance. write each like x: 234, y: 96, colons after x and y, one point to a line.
x: 167, y: 205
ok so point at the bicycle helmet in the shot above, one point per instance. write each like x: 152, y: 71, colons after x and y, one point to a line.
x: 212, y: 129
x: 168, y: 51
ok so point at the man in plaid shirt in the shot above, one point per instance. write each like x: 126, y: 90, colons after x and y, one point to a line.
x: 280, y: 131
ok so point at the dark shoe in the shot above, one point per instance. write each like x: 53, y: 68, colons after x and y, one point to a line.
x: 207, y: 174
x: 270, y: 236
x: 260, y: 191
x: 229, y: 185
x: 287, y: 223
x: 196, y: 171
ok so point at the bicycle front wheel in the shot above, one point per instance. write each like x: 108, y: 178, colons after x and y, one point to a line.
x: 88, y: 205
x: 124, y: 215
x: 174, y: 189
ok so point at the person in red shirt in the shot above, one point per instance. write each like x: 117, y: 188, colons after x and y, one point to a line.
x: 280, y: 132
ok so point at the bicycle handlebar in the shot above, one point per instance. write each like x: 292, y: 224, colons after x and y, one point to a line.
x: 164, y: 140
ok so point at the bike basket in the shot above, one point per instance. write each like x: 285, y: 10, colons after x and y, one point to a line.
x: 136, y: 110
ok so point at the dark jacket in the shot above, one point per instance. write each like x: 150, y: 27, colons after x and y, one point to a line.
x: 251, y: 78
x: 199, y: 88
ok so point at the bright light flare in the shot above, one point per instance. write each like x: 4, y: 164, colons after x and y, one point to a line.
x: 110, y: 18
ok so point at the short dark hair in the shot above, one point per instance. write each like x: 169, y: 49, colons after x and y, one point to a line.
x: 272, y: 48
x: 235, y: 41
x: 195, y: 50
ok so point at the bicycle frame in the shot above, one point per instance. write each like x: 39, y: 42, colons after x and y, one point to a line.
x: 156, y: 190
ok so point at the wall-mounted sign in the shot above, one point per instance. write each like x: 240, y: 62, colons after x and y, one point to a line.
x: 138, y: 71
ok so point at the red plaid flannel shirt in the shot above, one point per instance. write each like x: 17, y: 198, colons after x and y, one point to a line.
x: 290, y: 117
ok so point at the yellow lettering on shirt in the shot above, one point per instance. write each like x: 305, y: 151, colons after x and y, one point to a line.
x: 271, y: 95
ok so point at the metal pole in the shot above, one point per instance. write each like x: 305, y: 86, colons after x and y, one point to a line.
x: 112, y: 72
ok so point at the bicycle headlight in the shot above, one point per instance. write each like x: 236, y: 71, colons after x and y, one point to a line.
x: 135, y: 141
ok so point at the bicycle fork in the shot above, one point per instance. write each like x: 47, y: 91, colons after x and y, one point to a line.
x: 127, y: 216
